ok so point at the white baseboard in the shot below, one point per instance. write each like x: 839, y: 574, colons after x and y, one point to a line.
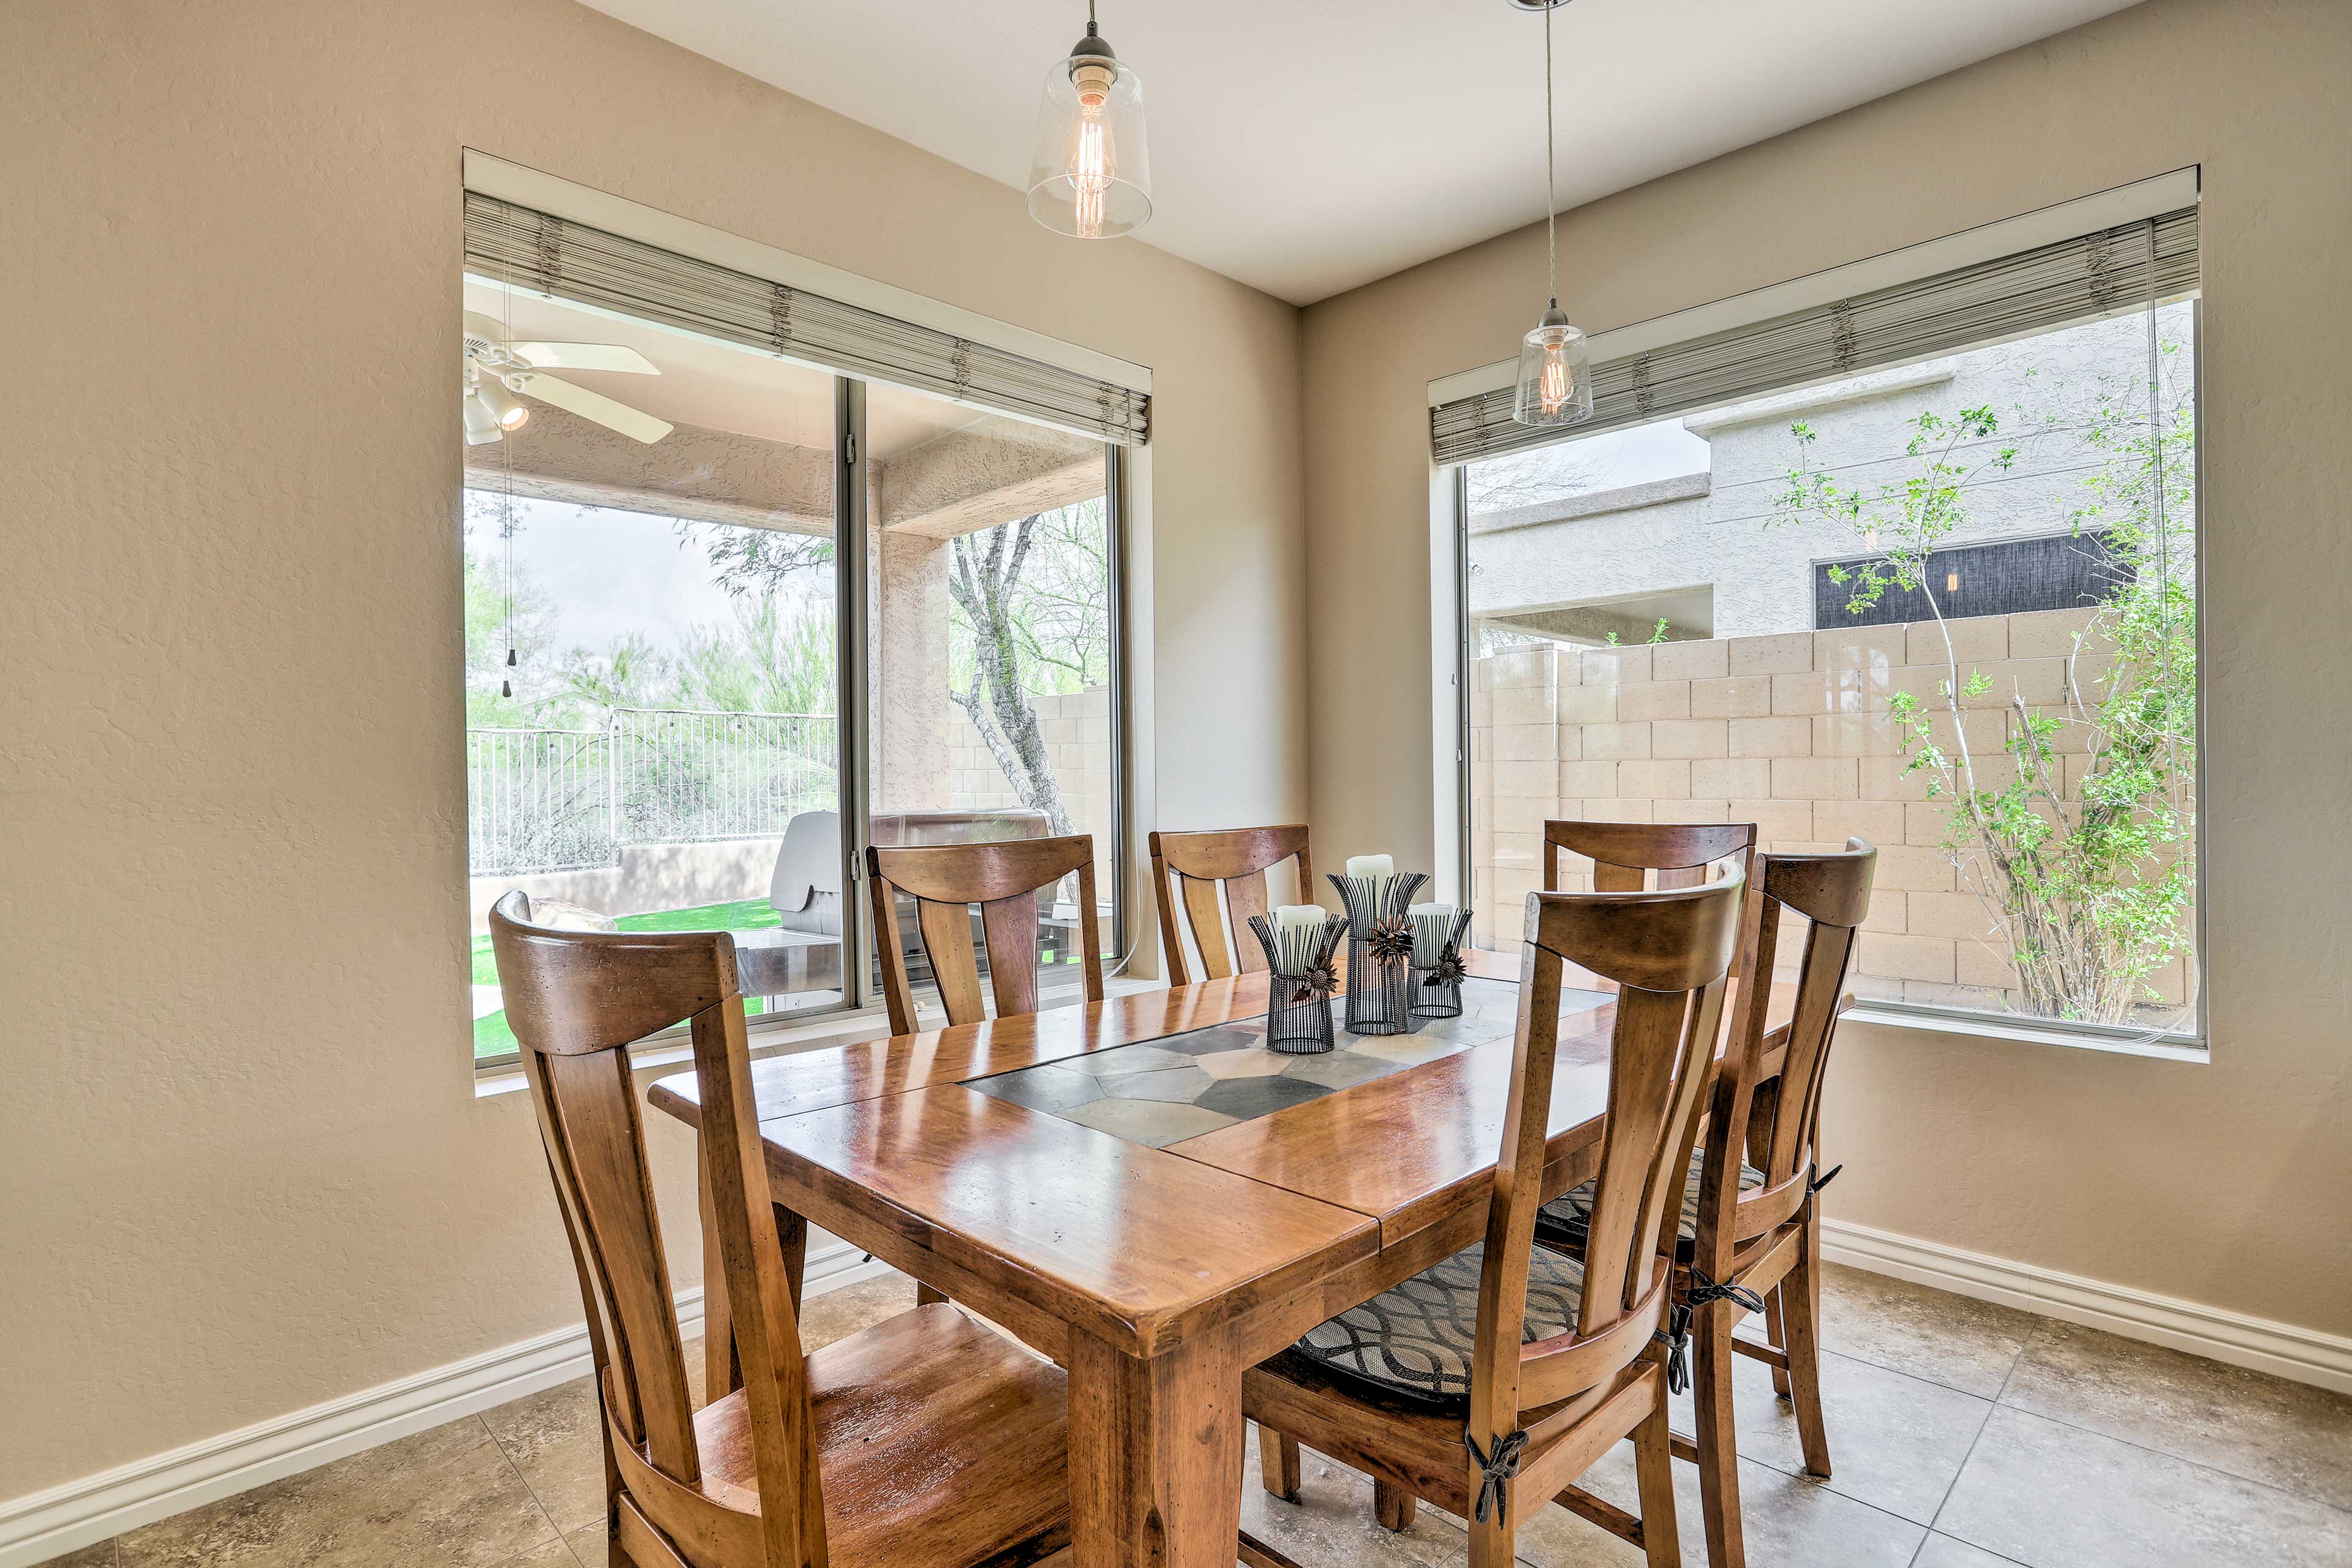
x: 2306, y: 1355
x: 49, y: 1523
x: 45, y: 1524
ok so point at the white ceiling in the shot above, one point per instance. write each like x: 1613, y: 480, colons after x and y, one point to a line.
x: 1307, y: 146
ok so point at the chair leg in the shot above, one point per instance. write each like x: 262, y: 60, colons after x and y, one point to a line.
x: 1801, y: 1298
x: 1494, y: 1543
x: 1718, y: 1448
x: 925, y: 1294
x: 1278, y: 1463
x: 1393, y: 1505
x: 1777, y: 1332
x: 1653, y: 1470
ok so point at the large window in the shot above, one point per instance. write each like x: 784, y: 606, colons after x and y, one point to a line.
x: 993, y: 606
x: 655, y: 655
x: 1948, y: 606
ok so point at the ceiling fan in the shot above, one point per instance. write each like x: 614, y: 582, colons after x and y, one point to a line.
x: 498, y: 369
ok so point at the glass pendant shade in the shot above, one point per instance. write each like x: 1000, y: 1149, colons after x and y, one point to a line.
x: 1088, y: 173
x: 1555, y: 380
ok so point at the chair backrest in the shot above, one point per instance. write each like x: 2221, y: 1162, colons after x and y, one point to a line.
x: 1002, y: 878
x: 1670, y: 953
x: 1624, y: 854
x: 1774, y: 1123
x: 1234, y: 859
x: 575, y: 1000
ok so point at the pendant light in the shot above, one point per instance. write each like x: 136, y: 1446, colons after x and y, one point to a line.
x: 1554, y: 386
x: 1089, y: 175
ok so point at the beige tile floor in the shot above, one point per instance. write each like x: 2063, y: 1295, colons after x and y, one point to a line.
x: 1965, y: 1436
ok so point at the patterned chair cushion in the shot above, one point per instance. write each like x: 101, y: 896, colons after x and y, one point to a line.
x: 1565, y: 1219
x: 1416, y: 1338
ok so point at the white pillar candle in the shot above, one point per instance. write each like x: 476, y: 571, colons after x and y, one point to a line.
x: 1298, y: 935
x: 1380, y: 871
x: 1432, y: 926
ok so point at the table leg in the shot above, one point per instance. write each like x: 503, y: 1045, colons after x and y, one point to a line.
x: 1155, y: 1455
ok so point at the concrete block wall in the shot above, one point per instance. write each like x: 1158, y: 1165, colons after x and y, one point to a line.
x: 1077, y: 727
x: 1792, y: 731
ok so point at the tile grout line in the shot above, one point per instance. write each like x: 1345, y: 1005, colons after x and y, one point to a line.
x: 516, y: 1471
x: 1990, y: 1405
x: 2210, y: 1469
x: 1931, y: 1381
x: 2001, y: 1402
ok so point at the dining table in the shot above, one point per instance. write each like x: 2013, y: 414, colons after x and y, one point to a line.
x: 1141, y: 1190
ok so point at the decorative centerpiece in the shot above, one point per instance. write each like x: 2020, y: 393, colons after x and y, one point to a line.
x: 1299, y: 948
x: 1380, y: 943
x: 1436, y: 960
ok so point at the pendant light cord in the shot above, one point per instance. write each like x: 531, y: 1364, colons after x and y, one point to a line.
x: 1551, y: 191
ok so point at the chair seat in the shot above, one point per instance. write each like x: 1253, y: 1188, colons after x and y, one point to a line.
x: 939, y: 1443
x: 1562, y: 1221
x: 1416, y: 1338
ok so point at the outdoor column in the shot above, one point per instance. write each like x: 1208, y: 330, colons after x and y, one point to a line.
x: 911, y: 769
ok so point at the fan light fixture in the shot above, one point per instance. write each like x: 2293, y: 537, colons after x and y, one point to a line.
x: 1089, y: 175
x: 481, y: 429
x: 511, y: 412
x: 1555, y: 388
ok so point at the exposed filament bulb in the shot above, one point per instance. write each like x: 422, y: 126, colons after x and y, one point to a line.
x: 1092, y: 170
x: 1559, y: 384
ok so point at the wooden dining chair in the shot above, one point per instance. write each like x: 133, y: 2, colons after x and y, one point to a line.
x: 1625, y: 854
x: 1489, y: 1383
x: 1002, y: 878
x: 926, y: 1441
x: 1756, y: 1231
x: 1233, y: 860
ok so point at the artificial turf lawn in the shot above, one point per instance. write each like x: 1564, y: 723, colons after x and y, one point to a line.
x: 493, y: 1039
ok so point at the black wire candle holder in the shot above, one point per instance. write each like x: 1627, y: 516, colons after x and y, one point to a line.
x: 1299, y: 990
x: 1437, y: 985
x: 1379, y: 950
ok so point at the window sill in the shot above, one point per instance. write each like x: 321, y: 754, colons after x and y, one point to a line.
x: 1983, y: 1026
x: 833, y: 1029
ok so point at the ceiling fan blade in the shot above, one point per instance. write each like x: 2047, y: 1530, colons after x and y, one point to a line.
x: 582, y: 356
x: 595, y: 406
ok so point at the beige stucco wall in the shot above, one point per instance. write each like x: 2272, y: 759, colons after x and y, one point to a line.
x: 243, y: 1164
x: 2222, y: 1182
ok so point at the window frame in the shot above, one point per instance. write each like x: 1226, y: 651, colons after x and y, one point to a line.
x: 860, y: 1000
x: 2192, y: 1043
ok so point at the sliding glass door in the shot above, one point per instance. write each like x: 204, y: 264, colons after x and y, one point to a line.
x: 991, y: 651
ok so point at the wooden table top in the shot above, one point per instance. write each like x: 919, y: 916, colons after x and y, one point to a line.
x: 1146, y: 1247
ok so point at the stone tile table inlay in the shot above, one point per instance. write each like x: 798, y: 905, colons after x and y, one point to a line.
x: 1182, y: 1086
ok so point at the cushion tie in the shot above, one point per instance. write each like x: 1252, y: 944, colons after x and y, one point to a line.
x: 1676, y: 1334
x: 1814, y: 1183
x: 1704, y: 1290
x: 1493, y: 1490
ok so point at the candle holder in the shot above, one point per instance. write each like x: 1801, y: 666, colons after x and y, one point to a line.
x: 1299, y: 988
x: 1437, y: 984
x: 1379, y: 950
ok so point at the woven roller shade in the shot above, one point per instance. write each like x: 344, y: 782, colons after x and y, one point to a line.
x: 2076, y: 279
x: 572, y: 261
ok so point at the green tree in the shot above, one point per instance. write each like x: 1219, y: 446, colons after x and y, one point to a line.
x: 502, y: 610
x: 631, y: 672
x: 774, y: 655
x: 1015, y: 631
x: 2093, y: 884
